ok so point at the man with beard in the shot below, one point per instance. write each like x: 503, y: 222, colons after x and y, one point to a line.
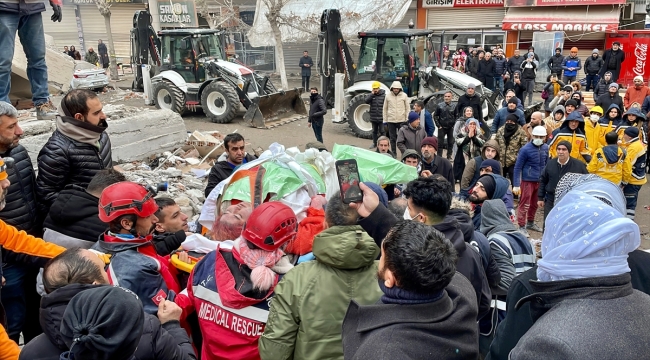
x: 503, y: 113
x: 235, y: 155
x: 317, y: 111
x: 432, y: 163
x: 612, y: 60
x: 76, y: 151
x: 536, y: 119
x: 488, y: 187
x: 171, y: 228
x: 470, y: 98
x: 511, y: 138
x: 91, y: 57
x: 514, y: 63
x: 636, y: 94
x: 580, y: 107
x: 555, y: 63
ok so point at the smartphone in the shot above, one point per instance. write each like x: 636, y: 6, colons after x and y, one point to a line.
x: 348, y: 174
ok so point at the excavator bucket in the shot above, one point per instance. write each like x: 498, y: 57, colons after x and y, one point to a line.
x: 276, y: 109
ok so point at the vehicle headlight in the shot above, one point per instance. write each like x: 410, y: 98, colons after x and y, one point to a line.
x: 240, y: 84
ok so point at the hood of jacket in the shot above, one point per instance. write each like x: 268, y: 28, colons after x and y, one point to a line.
x: 465, y: 223
x: 493, y: 144
x: 501, y: 187
x: 634, y: 111
x: 559, y: 108
x: 575, y: 115
x: 345, y: 247
x: 72, y: 205
x: 495, y: 217
x: 396, y: 85
x: 52, y: 308
x: 611, y: 153
x: 605, y: 119
x: 112, y: 244
x: 451, y: 229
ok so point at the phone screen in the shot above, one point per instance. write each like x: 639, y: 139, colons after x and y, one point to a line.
x: 348, y: 175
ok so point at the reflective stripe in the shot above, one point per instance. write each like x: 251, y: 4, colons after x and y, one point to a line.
x: 249, y: 312
x: 501, y: 305
x: 111, y: 275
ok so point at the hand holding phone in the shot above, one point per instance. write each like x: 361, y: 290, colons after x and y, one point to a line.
x: 348, y: 175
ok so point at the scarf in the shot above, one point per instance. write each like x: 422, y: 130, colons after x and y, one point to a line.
x: 508, y: 132
x: 77, y: 130
x: 262, y: 264
x: 396, y: 295
x: 556, y: 88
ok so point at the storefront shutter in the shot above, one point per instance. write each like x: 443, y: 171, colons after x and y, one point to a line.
x: 64, y: 32
x: 465, y: 19
x: 121, y: 25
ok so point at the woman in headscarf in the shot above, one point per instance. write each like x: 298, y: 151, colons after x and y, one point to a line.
x: 470, y: 139
x: 458, y: 156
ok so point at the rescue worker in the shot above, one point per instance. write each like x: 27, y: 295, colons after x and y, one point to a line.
x: 609, y: 122
x: 591, y: 124
x: 637, y: 156
x: 572, y: 130
x: 610, y: 162
x: 633, y: 117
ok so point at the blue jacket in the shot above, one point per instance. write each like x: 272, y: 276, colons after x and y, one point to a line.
x: 531, y: 161
x: 500, y: 66
x: 429, y: 125
x: 570, y: 62
x: 500, y: 118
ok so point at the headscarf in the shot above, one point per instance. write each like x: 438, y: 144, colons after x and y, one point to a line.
x: 585, y: 238
x: 594, y: 185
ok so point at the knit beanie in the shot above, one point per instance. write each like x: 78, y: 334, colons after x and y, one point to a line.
x: 513, y: 100
x: 595, y: 51
x: 512, y: 117
x: 103, y: 323
x: 632, y: 131
x: 558, y: 49
x: 489, y: 184
x: 430, y: 140
x: 495, y: 165
x: 571, y: 102
x: 567, y: 144
x: 614, y: 85
x: 413, y: 116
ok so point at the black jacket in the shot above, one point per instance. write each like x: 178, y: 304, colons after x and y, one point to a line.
x: 469, y: 261
x: 514, y: 64
x: 552, y: 174
x: 166, y: 243
x: 602, y: 88
x: 306, y: 70
x: 220, y: 171
x: 528, y: 71
x: 592, y: 66
x: 612, y: 61
x: 487, y: 68
x: 20, y: 209
x: 555, y: 64
x: 317, y: 109
x: 519, y: 320
x: 606, y: 100
x: 63, y: 161
x: 440, y: 166
x: 376, y: 103
x: 445, y: 115
x: 75, y: 214
x: 474, y: 101
x: 444, y: 329
x: 158, y: 342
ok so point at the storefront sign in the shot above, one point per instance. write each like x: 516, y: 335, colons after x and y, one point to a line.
x: 635, y: 44
x: 177, y: 14
x: 92, y: 2
x: 549, y: 26
x: 434, y: 4
x: 519, y: 3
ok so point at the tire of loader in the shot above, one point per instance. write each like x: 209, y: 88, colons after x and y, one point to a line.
x: 167, y: 96
x: 219, y: 102
x: 360, y: 125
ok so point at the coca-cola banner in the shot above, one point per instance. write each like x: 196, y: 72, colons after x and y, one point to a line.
x: 434, y: 4
x: 520, y: 3
x: 635, y: 45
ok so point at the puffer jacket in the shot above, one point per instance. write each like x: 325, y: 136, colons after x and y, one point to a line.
x: 602, y: 87
x: 169, y: 341
x: 410, y: 138
x: 396, y: 107
x: 620, y: 129
x: 20, y: 208
x: 610, y: 162
x: 500, y: 66
x: 606, y: 124
x: 577, y: 138
x: 317, y: 109
x: 63, y: 161
x: 311, y: 300
x: 514, y: 64
x: 24, y: 7
x: 555, y: 64
x: 531, y: 161
x: 487, y: 68
x: 509, y: 151
x: 571, y: 62
x: 376, y: 103
x: 592, y: 66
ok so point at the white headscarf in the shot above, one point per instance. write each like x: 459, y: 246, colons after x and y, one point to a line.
x: 585, y: 238
x: 594, y: 185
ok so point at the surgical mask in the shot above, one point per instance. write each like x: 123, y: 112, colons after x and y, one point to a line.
x: 407, y: 214
x: 594, y: 117
x: 538, y: 142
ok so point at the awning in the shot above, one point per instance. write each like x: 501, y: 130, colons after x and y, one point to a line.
x: 563, y: 18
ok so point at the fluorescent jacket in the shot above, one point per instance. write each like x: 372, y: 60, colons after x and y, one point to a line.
x: 610, y: 162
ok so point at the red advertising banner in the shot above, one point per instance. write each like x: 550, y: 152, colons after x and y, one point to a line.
x: 519, y: 3
x: 434, y: 4
x: 635, y: 44
x: 558, y: 26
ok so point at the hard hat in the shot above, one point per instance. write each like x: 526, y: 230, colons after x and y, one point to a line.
x: 539, y: 131
x: 125, y: 198
x: 270, y: 225
x: 597, y: 109
x: 376, y: 85
x: 6, y: 163
x: 574, y: 49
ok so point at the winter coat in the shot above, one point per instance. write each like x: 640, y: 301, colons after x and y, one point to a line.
x: 472, y: 170
x: 103, y: 54
x: 549, y: 87
x: 73, y: 220
x: 634, y: 95
x: 620, y: 129
x: 591, y: 134
x: 410, y: 138
x: 590, y: 318
x: 439, y: 165
x: 136, y: 266
x: 317, y: 109
x: 472, y: 66
x: 610, y: 162
x: 606, y: 100
x: 92, y: 58
x: 396, y: 107
x: 509, y: 152
x: 487, y: 69
x: 637, y: 156
x: 602, y: 88
x: 166, y: 243
x: 471, y: 146
x: 552, y: 174
x: 20, y: 202
x: 612, y: 61
x: 306, y: 70
x: 571, y: 62
x: 221, y: 171
x: 158, y: 342
x: 445, y: 327
x: 25, y: 8
x: 592, y: 66
x: 514, y: 64
x: 500, y: 66
x: 529, y: 70
x: 501, y: 115
x: 555, y: 64
x: 376, y: 103
x: 519, y: 320
x: 469, y: 262
x: 551, y: 124
x: 445, y: 114
x: 319, y: 292
x: 63, y: 161
x: 605, y: 124
x: 531, y: 161
x: 427, y: 121
x: 579, y: 148
x: 473, y: 101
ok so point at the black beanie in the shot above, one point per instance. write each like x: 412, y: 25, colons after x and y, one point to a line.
x: 513, y: 100
x: 103, y: 323
x: 565, y: 143
x: 489, y: 185
x: 571, y: 102
x: 512, y: 117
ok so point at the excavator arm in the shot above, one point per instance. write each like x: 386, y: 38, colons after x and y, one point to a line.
x: 333, y: 55
x: 145, y: 46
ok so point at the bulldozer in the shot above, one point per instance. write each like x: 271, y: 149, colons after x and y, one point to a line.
x: 190, y: 71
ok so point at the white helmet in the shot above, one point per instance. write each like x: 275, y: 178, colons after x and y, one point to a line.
x: 539, y: 131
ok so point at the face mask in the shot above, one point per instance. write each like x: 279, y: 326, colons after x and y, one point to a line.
x: 511, y: 127
x: 538, y: 142
x: 594, y: 117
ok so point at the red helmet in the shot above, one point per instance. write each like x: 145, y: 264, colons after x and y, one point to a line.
x: 126, y: 198
x: 270, y: 225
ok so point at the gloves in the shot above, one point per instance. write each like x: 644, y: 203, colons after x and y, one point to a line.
x: 57, y: 16
x: 516, y: 191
